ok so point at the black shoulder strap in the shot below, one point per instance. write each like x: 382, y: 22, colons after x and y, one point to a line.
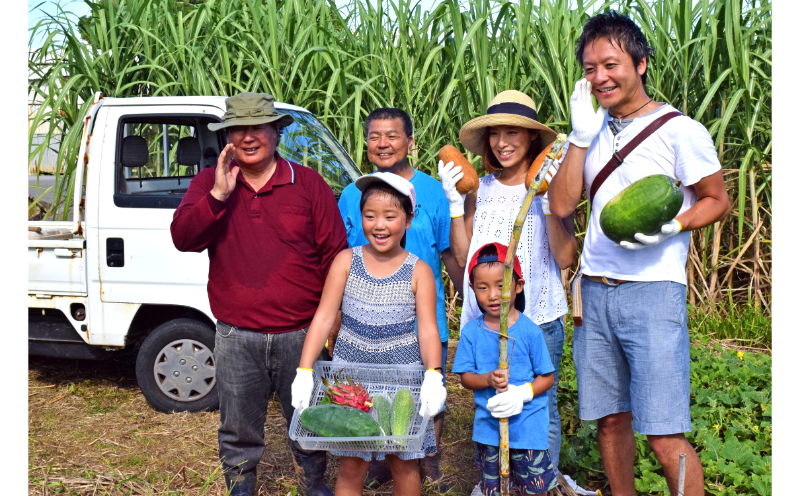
x: 618, y: 157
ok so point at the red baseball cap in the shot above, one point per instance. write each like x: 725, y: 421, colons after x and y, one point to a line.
x: 502, y: 250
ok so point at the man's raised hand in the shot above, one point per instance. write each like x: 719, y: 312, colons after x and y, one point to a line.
x: 586, y: 123
x: 225, y: 175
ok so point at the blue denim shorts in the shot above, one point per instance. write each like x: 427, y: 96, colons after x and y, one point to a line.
x: 632, y: 354
x: 531, y: 470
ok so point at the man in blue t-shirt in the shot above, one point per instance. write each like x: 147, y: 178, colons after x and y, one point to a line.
x: 390, y: 137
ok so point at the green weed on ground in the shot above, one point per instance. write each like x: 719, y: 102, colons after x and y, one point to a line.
x: 741, y: 325
x: 731, y: 409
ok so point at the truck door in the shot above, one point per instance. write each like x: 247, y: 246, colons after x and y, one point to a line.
x: 147, y: 165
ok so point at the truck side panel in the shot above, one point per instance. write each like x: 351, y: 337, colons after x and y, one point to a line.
x: 57, y: 266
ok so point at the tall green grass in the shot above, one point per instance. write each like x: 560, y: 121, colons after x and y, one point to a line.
x: 712, y: 61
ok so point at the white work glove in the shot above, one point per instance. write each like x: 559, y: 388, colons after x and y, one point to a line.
x: 302, y: 387
x: 546, y: 204
x: 509, y: 403
x: 432, y: 394
x: 450, y: 175
x: 668, y: 230
x: 548, y: 178
x: 586, y: 123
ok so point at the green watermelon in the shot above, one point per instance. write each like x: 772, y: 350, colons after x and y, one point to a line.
x: 643, y: 207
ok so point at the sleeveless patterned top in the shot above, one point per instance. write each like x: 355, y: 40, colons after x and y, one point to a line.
x: 378, y: 316
x: 496, y: 209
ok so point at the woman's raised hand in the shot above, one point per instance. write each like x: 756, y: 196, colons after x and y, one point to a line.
x: 450, y: 175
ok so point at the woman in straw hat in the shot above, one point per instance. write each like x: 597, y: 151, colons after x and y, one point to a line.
x: 508, y: 138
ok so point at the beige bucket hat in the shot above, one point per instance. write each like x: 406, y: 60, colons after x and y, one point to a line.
x: 250, y: 109
x: 508, y: 108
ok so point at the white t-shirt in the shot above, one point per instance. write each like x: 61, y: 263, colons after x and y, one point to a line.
x: 496, y: 209
x: 682, y: 149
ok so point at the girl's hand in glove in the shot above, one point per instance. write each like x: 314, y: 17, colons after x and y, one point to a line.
x: 508, y: 404
x: 432, y: 395
x: 586, y: 123
x: 450, y: 175
x: 667, y: 231
x: 302, y: 387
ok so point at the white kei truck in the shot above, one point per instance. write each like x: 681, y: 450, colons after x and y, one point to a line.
x: 110, y: 279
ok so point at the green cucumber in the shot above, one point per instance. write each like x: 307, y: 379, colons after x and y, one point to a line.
x: 402, y: 412
x: 338, y: 421
x: 643, y: 207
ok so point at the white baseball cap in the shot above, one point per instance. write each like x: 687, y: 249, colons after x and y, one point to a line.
x: 403, y: 186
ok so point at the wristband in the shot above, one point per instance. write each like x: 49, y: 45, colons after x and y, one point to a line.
x: 456, y: 216
x: 532, y: 391
x: 302, y: 368
x: 679, y: 225
x: 439, y: 369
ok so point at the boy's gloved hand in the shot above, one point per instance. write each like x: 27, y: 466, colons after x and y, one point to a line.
x: 668, y: 230
x: 586, y: 123
x: 510, y: 403
x: 302, y: 387
x: 450, y: 175
x: 432, y: 395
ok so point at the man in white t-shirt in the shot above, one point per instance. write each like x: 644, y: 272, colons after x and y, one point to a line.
x: 631, y: 352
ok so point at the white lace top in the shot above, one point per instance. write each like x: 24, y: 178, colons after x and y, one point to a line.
x: 496, y: 209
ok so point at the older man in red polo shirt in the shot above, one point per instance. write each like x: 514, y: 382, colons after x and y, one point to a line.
x: 272, y: 229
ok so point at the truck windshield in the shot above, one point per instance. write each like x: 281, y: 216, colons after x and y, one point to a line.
x: 157, y: 155
x: 308, y: 142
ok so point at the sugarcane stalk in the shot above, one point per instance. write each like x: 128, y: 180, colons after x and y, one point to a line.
x: 505, y: 295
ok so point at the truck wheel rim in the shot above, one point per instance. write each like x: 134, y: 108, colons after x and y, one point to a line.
x: 185, y: 370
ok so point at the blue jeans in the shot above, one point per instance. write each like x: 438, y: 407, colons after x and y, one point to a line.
x: 554, y: 338
x: 632, y: 354
x: 251, y: 366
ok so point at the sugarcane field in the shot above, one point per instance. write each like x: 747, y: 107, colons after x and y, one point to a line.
x: 409, y: 247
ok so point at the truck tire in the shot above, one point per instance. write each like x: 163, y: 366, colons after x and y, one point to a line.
x: 175, y: 367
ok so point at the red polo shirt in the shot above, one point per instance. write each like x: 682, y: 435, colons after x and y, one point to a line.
x: 269, y: 250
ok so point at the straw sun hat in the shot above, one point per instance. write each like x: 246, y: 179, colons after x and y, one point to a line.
x: 509, y: 108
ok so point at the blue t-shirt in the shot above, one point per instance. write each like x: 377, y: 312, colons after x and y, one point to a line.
x: 428, y: 237
x: 479, y: 352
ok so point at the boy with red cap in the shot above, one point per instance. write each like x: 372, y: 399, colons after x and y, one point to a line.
x: 522, y: 395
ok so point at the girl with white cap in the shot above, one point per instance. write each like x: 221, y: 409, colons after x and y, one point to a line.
x: 382, y: 290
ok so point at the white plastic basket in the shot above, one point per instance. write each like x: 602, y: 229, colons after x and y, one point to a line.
x: 376, y: 378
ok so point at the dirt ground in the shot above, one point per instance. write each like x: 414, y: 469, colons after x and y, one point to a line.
x: 91, y: 432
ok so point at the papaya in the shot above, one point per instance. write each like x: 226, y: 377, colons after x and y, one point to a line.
x: 643, y: 207
x: 467, y: 184
x: 534, y: 168
x: 402, y: 412
x: 333, y: 420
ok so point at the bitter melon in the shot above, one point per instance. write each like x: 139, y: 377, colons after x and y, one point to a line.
x: 402, y: 412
